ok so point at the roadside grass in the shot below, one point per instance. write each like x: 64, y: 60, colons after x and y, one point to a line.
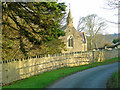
x: 114, y: 82
x: 45, y: 79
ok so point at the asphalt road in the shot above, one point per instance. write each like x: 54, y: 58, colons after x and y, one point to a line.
x: 91, y: 78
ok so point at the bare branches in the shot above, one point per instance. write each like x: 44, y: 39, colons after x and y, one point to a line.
x: 91, y: 25
x: 113, y: 4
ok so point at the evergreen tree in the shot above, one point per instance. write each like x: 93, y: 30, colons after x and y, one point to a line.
x: 27, y: 26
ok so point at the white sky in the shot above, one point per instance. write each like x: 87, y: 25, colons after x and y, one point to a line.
x: 82, y: 8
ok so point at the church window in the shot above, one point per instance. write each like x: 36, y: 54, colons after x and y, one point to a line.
x: 70, y: 41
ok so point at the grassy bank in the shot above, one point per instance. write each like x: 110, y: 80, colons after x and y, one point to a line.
x: 45, y: 79
x: 114, y: 82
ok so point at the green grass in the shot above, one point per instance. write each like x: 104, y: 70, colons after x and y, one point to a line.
x: 47, y: 78
x: 114, y: 82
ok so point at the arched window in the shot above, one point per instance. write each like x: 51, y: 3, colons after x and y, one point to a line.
x: 70, y: 41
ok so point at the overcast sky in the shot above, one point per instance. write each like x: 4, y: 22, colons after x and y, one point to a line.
x: 82, y: 8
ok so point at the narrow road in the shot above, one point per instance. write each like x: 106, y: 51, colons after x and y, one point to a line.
x: 91, y: 78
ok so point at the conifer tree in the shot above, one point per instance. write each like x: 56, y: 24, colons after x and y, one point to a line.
x: 28, y: 27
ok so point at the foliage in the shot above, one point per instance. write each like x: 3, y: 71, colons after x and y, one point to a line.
x: 52, y: 47
x: 91, y: 25
x: 113, y: 82
x: 116, y: 41
x: 27, y: 26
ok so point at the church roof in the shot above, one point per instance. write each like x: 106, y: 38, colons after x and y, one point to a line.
x: 70, y: 19
x: 82, y: 34
x: 64, y: 27
x: 70, y: 26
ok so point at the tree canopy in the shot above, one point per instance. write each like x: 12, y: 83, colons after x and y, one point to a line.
x: 27, y: 26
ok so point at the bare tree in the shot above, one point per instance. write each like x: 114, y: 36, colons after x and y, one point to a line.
x: 91, y: 25
x: 113, y: 4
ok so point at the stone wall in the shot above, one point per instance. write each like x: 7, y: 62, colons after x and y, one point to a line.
x: 17, y: 69
x: 108, y: 54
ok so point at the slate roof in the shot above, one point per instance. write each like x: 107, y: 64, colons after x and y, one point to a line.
x: 82, y: 34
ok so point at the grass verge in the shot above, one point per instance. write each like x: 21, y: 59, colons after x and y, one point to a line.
x: 46, y: 78
x: 114, y: 82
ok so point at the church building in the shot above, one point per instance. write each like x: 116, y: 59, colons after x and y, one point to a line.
x: 74, y: 40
